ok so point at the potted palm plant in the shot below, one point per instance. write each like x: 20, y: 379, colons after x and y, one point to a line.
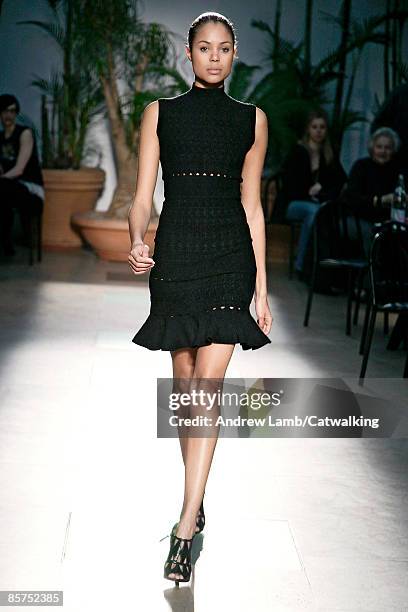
x: 131, y: 60
x: 70, y: 100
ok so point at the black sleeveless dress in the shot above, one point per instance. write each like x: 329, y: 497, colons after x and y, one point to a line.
x: 203, y: 280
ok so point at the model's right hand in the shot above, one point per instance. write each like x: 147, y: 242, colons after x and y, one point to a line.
x: 139, y: 259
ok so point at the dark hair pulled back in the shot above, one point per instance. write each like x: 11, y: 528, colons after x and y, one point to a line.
x: 207, y: 18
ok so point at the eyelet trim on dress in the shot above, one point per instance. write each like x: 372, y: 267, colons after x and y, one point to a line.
x: 223, y: 307
x: 187, y: 173
x: 212, y: 309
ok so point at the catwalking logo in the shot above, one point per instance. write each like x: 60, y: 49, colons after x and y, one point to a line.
x: 315, y: 421
x: 207, y: 400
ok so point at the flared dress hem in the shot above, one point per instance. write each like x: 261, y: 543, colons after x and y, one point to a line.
x: 168, y: 333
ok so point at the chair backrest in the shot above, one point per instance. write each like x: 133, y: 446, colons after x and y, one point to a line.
x: 331, y: 233
x: 389, y: 264
x: 356, y: 245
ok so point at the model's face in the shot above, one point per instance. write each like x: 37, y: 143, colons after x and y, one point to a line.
x: 212, y: 53
x: 8, y: 116
x: 317, y: 130
x: 383, y: 149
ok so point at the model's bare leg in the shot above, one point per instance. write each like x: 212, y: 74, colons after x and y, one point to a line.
x: 211, y: 363
x: 183, y: 368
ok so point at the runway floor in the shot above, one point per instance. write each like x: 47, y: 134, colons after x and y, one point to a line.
x: 88, y: 490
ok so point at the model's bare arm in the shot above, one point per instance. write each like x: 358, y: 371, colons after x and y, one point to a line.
x: 140, y: 211
x: 251, y: 201
x: 251, y: 197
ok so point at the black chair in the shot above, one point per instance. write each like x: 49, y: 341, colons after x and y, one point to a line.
x: 35, y: 238
x: 333, y: 249
x: 277, y: 215
x: 31, y: 221
x: 388, y: 269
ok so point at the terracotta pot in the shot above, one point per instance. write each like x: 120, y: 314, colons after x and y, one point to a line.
x: 68, y: 192
x: 109, y: 237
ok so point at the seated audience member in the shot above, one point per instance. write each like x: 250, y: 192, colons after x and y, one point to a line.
x: 394, y: 114
x: 371, y: 183
x: 312, y: 175
x: 21, y: 181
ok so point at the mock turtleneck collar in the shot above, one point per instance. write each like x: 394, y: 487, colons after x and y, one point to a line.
x: 207, y: 91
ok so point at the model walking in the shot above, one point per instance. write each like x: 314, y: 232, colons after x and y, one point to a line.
x: 209, y: 257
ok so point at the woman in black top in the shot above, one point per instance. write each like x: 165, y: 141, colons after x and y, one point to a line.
x: 371, y: 183
x: 373, y: 179
x: 312, y: 175
x: 21, y: 181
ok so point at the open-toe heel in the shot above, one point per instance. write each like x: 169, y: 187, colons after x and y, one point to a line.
x: 179, y: 558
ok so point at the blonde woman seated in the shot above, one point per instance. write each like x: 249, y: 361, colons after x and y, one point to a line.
x: 312, y: 175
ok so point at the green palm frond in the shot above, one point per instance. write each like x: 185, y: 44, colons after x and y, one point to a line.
x: 175, y: 82
x: 351, y: 117
x: 329, y: 61
x: 280, y: 87
x: 55, y: 30
x: 262, y: 26
x: 332, y: 19
x: 286, y: 46
x: 402, y: 69
x: 280, y: 48
x: 365, y: 31
x: 240, y: 82
x: 50, y: 87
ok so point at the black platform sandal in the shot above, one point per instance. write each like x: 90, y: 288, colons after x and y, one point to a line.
x: 179, y: 558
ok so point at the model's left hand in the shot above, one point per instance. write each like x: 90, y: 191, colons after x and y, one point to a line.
x: 263, y: 313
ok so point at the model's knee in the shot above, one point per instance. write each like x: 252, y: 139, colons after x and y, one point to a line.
x: 183, y: 363
x: 182, y: 381
x: 185, y: 371
x: 208, y: 380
